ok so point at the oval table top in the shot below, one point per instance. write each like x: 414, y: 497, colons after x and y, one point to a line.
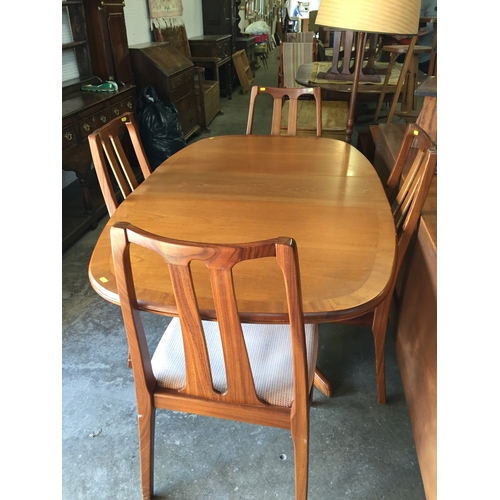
x: 232, y: 189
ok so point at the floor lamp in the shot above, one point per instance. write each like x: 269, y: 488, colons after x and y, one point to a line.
x: 391, y: 17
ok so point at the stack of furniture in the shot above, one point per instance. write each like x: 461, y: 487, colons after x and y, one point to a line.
x: 221, y: 18
x: 207, y: 91
x: 172, y: 75
x: 293, y: 54
x: 101, y: 49
x: 220, y: 48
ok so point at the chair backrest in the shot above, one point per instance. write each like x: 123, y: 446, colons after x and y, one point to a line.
x: 279, y: 94
x: 344, y: 53
x: 407, y: 196
x: 301, y: 37
x: 292, y: 55
x: 219, y: 261
x: 108, y: 153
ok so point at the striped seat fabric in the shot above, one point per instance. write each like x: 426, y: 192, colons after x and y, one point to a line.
x: 294, y: 54
x: 269, y: 351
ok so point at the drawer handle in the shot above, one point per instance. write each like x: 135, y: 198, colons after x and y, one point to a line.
x: 129, y: 105
x: 103, y: 118
x: 116, y: 111
x: 68, y: 136
x: 86, y: 127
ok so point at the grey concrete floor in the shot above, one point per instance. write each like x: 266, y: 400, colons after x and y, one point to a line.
x: 358, y: 448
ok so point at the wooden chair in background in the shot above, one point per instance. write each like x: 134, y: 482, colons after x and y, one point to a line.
x: 407, y: 188
x: 260, y: 374
x: 302, y: 116
x: 292, y: 55
x: 343, y: 53
x: 109, y: 156
x: 408, y: 80
x: 279, y: 95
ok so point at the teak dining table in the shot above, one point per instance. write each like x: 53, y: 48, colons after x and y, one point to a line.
x: 232, y: 189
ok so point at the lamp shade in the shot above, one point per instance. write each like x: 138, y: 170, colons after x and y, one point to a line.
x: 398, y: 17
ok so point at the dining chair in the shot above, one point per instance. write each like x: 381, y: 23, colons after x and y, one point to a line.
x: 406, y: 189
x: 293, y: 94
x: 254, y: 373
x: 292, y: 55
x: 109, y: 154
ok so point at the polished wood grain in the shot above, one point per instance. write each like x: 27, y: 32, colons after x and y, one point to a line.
x: 240, y: 400
x: 321, y: 192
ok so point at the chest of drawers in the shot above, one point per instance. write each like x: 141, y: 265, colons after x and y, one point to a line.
x: 219, y: 46
x: 172, y: 75
x: 82, y: 113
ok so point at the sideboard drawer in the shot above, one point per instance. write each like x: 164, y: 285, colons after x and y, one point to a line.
x: 224, y: 49
x: 69, y: 137
x: 91, y: 123
x: 121, y: 107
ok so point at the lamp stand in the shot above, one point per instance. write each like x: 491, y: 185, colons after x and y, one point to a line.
x: 354, y: 92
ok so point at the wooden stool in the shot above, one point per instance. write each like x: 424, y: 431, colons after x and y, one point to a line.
x: 408, y: 79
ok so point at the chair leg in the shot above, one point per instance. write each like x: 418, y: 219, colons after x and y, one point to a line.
x: 379, y: 329
x: 322, y: 383
x: 146, y: 421
x: 300, y: 436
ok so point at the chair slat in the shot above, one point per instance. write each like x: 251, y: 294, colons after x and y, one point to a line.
x: 279, y: 94
x: 108, y: 154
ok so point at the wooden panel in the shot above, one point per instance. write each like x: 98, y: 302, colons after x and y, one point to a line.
x: 415, y: 316
x: 416, y: 347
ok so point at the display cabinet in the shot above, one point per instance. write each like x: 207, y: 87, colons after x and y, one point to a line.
x: 94, y: 49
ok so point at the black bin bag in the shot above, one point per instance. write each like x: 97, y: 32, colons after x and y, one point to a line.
x: 159, y: 126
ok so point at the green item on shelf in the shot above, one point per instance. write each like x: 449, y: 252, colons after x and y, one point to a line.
x: 108, y: 86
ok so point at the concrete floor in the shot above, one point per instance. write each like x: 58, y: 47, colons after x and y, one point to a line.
x: 358, y: 449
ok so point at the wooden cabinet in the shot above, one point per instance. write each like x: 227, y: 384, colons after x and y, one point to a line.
x: 247, y: 43
x: 95, y: 38
x: 221, y: 47
x: 171, y: 74
x: 108, y: 43
x: 82, y: 113
x: 221, y: 17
